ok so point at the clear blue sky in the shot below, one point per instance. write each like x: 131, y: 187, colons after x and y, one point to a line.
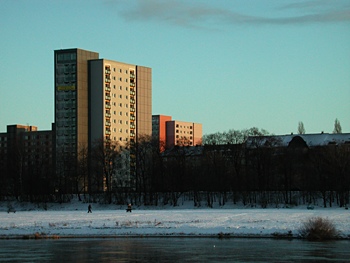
x: 230, y: 64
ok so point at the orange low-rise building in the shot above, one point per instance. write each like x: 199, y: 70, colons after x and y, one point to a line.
x: 172, y: 132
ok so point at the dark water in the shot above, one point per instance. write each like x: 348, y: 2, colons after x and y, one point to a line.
x: 173, y: 250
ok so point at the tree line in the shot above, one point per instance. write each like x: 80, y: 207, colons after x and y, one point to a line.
x: 248, y: 166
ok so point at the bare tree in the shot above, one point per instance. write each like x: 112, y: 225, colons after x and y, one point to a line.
x: 337, y: 126
x: 214, y: 138
x: 82, y: 180
x: 144, y: 167
x: 105, y: 157
x: 301, y: 128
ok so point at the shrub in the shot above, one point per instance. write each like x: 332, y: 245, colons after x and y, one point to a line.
x: 318, y: 228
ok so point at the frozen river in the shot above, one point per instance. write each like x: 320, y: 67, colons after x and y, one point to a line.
x: 171, y: 249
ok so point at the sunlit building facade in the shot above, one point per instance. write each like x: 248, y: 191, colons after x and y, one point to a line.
x: 98, y: 99
x: 170, y: 132
x: 120, y: 105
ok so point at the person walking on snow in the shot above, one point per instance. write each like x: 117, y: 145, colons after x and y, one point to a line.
x: 89, y: 209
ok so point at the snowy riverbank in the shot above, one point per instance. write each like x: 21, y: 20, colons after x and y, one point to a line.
x: 74, y: 221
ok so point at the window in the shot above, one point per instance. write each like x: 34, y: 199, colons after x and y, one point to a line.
x: 120, y: 79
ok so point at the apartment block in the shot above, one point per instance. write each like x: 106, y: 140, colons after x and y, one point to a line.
x: 159, y: 129
x: 98, y: 99
x: 25, y: 154
x: 172, y: 132
x: 71, y: 99
x: 120, y: 105
x: 183, y: 133
x: 119, y: 101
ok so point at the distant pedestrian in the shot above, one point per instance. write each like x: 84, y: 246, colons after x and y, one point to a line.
x: 129, y: 208
x: 89, y: 209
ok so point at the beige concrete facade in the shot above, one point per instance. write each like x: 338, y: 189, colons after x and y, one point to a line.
x: 171, y: 132
x: 120, y: 101
x: 100, y: 99
x: 183, y: 133
x: 143, y: 89
x: 112, y: 101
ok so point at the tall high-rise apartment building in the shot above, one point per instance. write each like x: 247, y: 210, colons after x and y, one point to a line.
x: 98, y: 99
x: 120, y: 107
x: 71, y: 99
x: 71, y: 111
x: 120, y: 101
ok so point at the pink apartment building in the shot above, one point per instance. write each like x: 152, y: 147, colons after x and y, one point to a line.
x: 171, y: 132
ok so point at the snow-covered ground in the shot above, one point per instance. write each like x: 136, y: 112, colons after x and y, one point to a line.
x: 73, y: 220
